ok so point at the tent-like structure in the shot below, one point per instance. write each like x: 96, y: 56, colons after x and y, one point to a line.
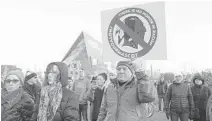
x: 83, y: 51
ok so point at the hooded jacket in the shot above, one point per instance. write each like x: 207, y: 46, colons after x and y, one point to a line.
x: 68, y: 109
x: 179, y: 98
x: 201, y: 93
x: 17, y: 105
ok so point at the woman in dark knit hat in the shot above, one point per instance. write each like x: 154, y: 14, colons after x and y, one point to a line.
x: 201, y: 93
x: 32, y: 87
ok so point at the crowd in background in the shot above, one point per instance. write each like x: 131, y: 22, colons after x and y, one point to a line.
x: 63, y: 98
x: 185, y: 99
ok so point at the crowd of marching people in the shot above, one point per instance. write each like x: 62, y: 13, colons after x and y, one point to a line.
x: 124, y: 98
x: 184, y: 100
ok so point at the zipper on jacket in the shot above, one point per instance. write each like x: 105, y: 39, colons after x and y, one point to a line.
x: 120, y: 91
x: 181, y: 107
x: 117, y: 105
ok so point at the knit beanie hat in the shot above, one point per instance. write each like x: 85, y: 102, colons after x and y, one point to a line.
x: 18, y: 73
x: 128, y: 64
x: 28, y: 77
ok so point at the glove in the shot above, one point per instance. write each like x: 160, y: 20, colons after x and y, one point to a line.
x: 142, y: 93
x: 167, y: 114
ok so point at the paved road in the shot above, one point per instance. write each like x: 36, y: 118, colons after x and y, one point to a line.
x: 158, y: 116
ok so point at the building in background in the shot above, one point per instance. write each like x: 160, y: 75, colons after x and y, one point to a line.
x: 6, y: 68
x: 84, y: 55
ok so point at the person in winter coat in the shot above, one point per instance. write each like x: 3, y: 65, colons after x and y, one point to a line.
x: 16, y: 104
x: 161, y: 89
x: 124, y: 98
x: 90, y: 95
x: 32, y: 78
x: 210, y: 84
x: 32, y: 87
x: 95, y: 94
x: 201, y: 93
x: 80, y: 87
x: 179, y: 100
x: 57, y: 103
x: 209, y: 109
x: 70, y: 83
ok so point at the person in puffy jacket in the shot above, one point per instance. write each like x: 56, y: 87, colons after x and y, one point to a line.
x: 179, y: 100
x: 201, y: 93
x: 16, y: 104
x: 57, y: 103
x: 125, y: 97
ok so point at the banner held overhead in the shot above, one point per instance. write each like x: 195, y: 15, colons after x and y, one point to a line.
x: 134, y: 32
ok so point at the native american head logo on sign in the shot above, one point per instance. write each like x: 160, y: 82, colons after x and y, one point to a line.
x: 132, y: 33
x: 74, y: 69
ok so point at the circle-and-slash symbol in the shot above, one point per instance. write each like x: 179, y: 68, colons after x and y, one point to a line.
x: 132, y: 33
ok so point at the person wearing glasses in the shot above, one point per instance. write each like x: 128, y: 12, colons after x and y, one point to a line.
x: 57, y: 103
x: 16, y: 104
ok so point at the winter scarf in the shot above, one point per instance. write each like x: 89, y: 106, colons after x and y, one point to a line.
x: 49, y: 102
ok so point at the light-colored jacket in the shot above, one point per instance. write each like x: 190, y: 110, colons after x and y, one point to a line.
x: 121, y: 103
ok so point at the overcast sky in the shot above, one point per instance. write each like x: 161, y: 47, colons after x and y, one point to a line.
x: 35, y: 33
